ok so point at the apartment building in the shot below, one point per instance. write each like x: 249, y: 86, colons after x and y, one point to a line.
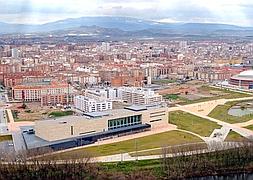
x: 87, y: 104
x: 132, y: 95
x: 103, y: 94
x: 46, y: 92
x: 140, y: 96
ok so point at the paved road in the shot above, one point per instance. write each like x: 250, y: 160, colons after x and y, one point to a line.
x: 3, y: 119
x: 244, y: 124
x: 14, y: 128
x: 18, y: 140
x: 127, y: 157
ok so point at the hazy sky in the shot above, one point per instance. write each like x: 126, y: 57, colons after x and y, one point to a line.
x: 238, y: 12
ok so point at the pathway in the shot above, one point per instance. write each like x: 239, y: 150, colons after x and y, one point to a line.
x: 242, y: 131
x: 127, y: 157
x: 244, y: 124
x: 14, y: 129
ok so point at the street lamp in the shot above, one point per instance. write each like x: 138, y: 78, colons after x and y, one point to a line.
x: 135, y: 143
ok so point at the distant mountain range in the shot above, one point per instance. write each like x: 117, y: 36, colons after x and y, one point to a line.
x: 122, y: 26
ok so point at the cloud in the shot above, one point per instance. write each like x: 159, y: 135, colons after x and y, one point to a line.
x: 39, y: 11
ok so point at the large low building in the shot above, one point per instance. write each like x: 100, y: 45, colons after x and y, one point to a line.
x: 243, y: 80
x: 67, y: 132
x: 86, y: 104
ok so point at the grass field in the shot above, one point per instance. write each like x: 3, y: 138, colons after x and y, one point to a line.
x: 61, y: 113
x: 189, y: 122
x: 225, y: 94
x: 169, y: 138
x: 221, y: 113
x: 250, y: 127
x: 171, y: 96
x: 5, y: 138
x: 163, y: 81
x: 174, y: 149
x: 233, y: 136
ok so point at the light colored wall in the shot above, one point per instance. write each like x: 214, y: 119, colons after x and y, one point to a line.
x: 52, y: 130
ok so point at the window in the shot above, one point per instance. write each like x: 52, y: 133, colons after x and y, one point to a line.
x: 123, y: 122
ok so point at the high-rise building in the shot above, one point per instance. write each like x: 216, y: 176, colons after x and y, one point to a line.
x: 15, y: 53
x: 105, y: 46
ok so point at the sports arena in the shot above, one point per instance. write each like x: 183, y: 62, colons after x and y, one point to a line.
x: 243, y: 80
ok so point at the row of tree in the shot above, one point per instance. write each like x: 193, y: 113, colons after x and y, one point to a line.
x: 180, y: 163
x: 234, y: 158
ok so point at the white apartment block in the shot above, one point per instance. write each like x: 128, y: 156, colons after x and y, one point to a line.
x: 104, y: 94
x: 133, y: 95
x: 140, y: 96
x: 86, y: 104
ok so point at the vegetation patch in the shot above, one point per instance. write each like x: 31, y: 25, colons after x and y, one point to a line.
x: 250, y: 127
x: 221, y: 113
x: 171, y: 96
x: 5, y: 138
x: 234, y: 136
x: 163, y: 81
x: 172, y: 149
x: 180, y: 166
x: 198, y: 165
x: 192, y: 123
x: 219, y: 94
x: 61, y: 113
x: 160, y: 140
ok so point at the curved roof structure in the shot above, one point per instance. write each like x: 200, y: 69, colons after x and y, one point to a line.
x: 245, y: 75
x: 248, y: 73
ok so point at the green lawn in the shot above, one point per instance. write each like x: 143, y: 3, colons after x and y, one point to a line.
x: 171, y: 96
x: 61, y: 113
x: 221, y: 112
x: 226, y: 94
x: 174, y: 149
x: 250, y: 127
x: 169, y: 138
x: 5, y: 138
x: 163, y: 81
x: 189, y: 122
x: 233, y: 136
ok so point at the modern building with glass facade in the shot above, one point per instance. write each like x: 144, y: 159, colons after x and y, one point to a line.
x: 100, y: 122
x: 124, y: 122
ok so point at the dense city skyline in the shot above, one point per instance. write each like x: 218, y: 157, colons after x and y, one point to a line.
x: 126, y: 89
x: 203, y: 11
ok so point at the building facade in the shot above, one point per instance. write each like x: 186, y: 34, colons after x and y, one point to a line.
x: 86, y: 104
x: 48, y: 93
x: 100, y: 122
x: 132, y: 95
x: 243, y: 80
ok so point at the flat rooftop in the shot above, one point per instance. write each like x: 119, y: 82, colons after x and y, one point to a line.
x: 92, y: 116
x: 97, y: 114
x: 32, y: 141
x: 136, y: 108
x: 39, y: 83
